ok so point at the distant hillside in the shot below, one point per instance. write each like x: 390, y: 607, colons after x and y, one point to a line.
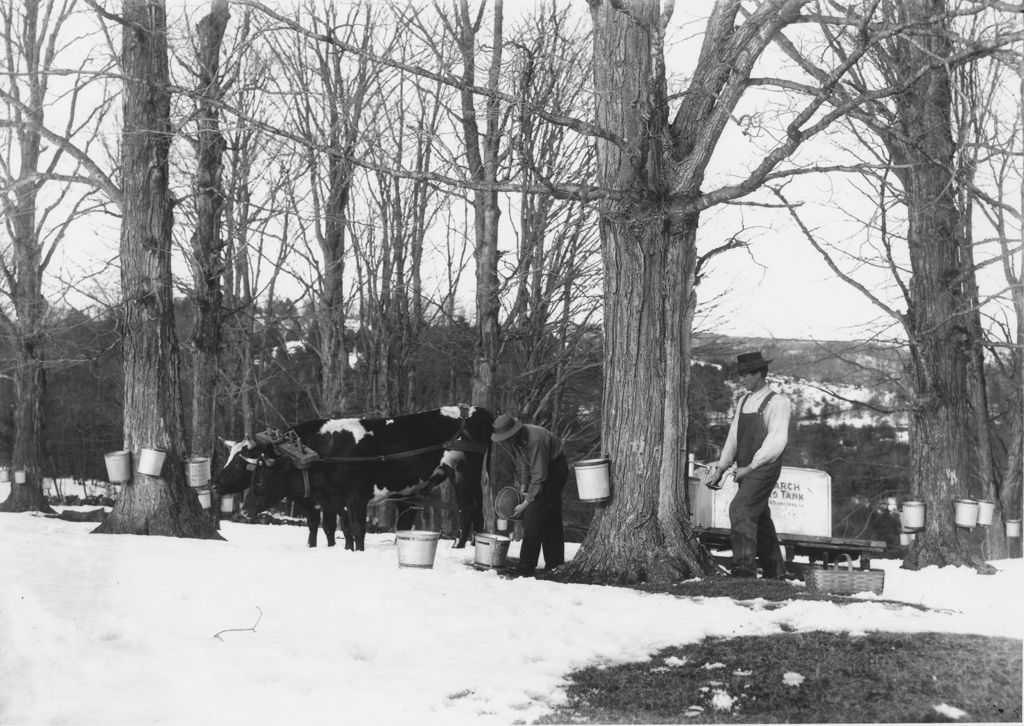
x: 858, y: 363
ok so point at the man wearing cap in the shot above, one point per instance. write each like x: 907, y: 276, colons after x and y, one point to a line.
x: 757, y: 438
x: 541, y: 470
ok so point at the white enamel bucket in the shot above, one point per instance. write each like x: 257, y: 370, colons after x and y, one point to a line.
x: 119, y: 466
x: 151, y: 461
x: 986, y: 510
x: 965, y: 513
x: 912, y: 515
x: 592, y: 480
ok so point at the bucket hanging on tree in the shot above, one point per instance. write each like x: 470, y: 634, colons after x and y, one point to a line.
x: 912, y: 515
x: 5, y: 475
x: 151, y: 461
x: 986, y: 510
x: 198, y: 471
x: 119, y: 466
x: 965, y: 513
x: 227, y: 503
x: 20, y: 476
x: 1013, y: 528
x: 592, y: 480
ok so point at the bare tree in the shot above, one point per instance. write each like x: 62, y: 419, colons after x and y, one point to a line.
x: 42, y: 173
x: 556, y: 269
x: 153, y: 411
x: 207, y: 245
x: 930, y: 174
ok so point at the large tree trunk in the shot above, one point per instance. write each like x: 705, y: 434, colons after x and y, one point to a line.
x: 643, y: 534
x: 938, y: 321
x: 153, y: 412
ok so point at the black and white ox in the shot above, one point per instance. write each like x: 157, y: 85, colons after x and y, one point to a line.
x: 368, y: 460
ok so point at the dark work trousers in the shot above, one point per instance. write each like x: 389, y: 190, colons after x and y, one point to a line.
x: 542, y: 521
x: 753, y: 532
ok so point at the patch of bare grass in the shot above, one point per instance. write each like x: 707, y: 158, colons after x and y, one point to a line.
x: 813, y: 677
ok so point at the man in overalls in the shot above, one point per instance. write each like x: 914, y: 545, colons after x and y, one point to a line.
x: 757, y: 438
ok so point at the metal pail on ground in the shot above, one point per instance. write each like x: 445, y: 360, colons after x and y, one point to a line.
x: 592, y: 480
x: 912, y: 515
x: 491, y: 549
x: 416, y: 548
x: 119, y: 466
x: 965, y: 513
x: 151, y: 461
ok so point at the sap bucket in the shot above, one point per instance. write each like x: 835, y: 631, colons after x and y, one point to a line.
x: 151, y: 461
x: 592, y: 480
x: 20, y: 476
x: 906, y: 538
x: 965, y: 513
x: 227, y: 503
x: 1013, y: 528
x: 119, y: 466
x: 5, y: 475
x: 986, y: 510
x: 491, y: 550
x: 416, y: 548
x: 912, y: 515
x: 204, y: 498
x: 198, y: 471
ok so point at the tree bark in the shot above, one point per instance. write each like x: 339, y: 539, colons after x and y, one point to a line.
x: 643, y: 534
x: 938, y: 320
x: 153, y: 411
x: 26, y: 330
x: 207, y: 241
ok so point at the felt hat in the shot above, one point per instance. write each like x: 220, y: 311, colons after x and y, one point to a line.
x: 750, y: 362
x: 505, y: 426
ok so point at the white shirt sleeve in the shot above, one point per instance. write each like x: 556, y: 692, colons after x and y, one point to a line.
x: 728, y: 454
x: 776, y: 419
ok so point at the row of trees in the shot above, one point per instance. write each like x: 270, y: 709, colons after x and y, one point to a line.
x: 357, y: 158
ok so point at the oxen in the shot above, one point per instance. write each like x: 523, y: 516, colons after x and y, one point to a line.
x: 240, y: 470
x: 366, y: 460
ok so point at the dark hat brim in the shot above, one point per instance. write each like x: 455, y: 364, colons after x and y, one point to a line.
x: 752, y: 366
x: 496, y: 436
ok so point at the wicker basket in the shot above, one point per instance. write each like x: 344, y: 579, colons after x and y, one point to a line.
x: 838, y: 580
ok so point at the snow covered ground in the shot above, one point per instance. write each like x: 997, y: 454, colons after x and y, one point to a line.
x: 98, y: 629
